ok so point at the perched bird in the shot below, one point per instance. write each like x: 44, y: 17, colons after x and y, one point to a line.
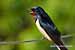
x: 47, y: 27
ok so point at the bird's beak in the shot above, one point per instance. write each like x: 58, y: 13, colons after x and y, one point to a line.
x: 33, y: 13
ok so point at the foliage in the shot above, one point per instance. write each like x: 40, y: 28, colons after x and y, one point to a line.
x: 17, y: 24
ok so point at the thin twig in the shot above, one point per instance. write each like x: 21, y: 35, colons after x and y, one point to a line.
x: 66, y: 36
x: 27, y: 41
x: 18, y: 42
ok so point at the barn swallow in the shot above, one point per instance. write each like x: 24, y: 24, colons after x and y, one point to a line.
x: 46, y: 26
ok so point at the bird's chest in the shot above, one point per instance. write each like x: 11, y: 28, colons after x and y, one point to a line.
x: 42, y: 30
x: 39, y: 27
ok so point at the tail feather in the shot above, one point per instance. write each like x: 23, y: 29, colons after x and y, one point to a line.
x: 60, y: 45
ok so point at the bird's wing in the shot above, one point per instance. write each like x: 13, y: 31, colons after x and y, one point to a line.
x: 50, y: 28
x: 53, y: 34
x: 51, y: 31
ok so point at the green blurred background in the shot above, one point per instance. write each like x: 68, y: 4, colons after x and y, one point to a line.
x: 16, y: 23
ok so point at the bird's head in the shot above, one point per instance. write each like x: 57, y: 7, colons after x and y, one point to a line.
x: 37, y: 13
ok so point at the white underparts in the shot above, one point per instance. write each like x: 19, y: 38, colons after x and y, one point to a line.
x: 42, y: 30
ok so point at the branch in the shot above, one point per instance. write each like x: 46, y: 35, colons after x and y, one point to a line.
x: 27, y: 41
x: 66, y: 36
x: 18, y: 42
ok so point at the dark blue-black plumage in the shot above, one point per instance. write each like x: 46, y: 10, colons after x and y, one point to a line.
x: 46, y: 20
x: 49, y: 27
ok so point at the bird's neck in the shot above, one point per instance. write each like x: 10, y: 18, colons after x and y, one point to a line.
x: 37, y: 17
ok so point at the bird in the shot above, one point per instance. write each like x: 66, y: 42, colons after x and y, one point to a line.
x: 46, y: 26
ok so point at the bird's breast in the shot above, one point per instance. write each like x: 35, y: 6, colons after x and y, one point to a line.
x: 42, y: 30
